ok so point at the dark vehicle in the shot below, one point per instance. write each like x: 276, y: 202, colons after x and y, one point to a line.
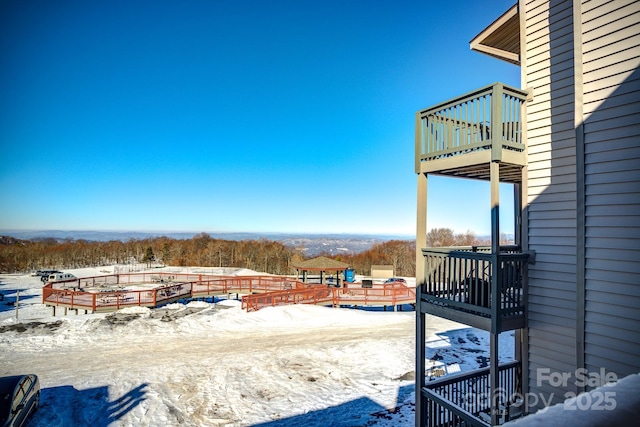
x: 44, y: 274
x: 396, y: 280
x: 19, y: 398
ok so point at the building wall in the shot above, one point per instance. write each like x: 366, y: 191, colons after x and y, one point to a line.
x: 611, y: 132
x: 382, y: 271
x: 551, y: 191
x: 583, y: 187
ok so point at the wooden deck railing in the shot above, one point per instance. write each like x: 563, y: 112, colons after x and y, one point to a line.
x: 312, y: 294
x: 462, y: 279
x: 103, y: 293
x: 242, y: 284
x: 465, y: 399
x: 113, y: 292
x: 489, y: 118
x: 106, y: 300
x: 395, y: 293
x: 391, y: 294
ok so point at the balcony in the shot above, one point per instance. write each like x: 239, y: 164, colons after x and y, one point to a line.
x: 462, y: 136
x: 465, y: 399
x: 481, y: 136
x: 471, y: 285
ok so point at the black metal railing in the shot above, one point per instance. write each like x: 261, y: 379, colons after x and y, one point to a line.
x: 462, y: 278
x: 465, y: 399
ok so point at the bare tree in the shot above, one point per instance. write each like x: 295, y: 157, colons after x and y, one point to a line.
x: 440, y: 237
x: 466, y: 239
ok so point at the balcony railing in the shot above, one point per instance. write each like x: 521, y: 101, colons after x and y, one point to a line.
x: 473, y: 286
x: 465, y: 399
x: 489, y: 118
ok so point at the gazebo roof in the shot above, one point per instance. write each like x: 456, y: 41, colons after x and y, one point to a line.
x: 321, y: 263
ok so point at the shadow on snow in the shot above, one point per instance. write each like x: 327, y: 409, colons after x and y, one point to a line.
x: 361, y: 412
x: 65, y: 404
x: 8, y: 299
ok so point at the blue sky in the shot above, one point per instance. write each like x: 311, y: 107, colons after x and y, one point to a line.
x: 221, y: 115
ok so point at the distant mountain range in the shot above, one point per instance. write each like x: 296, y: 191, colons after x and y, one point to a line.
x: 309, y: 244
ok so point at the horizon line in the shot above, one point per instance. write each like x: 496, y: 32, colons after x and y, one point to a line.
x: 124, y: 231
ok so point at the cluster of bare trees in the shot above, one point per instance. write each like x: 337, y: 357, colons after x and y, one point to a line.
x: 399, y: 253
x: 203, y: 250
x: 402, y: 253
x: 445, y: 237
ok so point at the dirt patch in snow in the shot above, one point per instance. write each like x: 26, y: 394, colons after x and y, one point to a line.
x: 168, y: 315
x: 409, y: 376
x: 118, y: 319
x: 31, y: 327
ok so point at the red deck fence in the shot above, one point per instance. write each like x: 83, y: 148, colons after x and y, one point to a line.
x: 98, y: 293
x: 391, y: 294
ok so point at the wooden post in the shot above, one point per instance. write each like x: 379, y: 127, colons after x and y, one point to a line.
x: 496, y: 122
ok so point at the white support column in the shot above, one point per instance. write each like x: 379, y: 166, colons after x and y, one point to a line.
x: 421, y: 226
x: 421, y: 242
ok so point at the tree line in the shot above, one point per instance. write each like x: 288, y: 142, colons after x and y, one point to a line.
x: 22, y: 256
x: 201, y: 250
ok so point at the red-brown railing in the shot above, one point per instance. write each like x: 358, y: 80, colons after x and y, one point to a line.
x: 98, y: 293
x: 394, y: 293
x: 354, y: 294
x: 311, y: 294
x: 242, y: 284
x: 74, y: 298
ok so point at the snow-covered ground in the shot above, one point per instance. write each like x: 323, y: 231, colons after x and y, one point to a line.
x: 212, y: 364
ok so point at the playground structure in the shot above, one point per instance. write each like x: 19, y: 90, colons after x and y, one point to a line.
x: 113, y: 292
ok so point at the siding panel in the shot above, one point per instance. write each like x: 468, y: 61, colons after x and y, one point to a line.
x: 612, y: 177
x: 551, y: 185
x: 609, y: 85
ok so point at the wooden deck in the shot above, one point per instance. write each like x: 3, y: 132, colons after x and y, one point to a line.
x: 114, y: 292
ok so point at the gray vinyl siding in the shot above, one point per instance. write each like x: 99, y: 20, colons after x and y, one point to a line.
x: 611, y: 57
x: 551, y: 189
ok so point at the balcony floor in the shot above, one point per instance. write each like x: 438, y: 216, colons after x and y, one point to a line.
x: 470, y: 316
x: 476, y: 165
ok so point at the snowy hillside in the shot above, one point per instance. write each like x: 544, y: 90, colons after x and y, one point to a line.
x: 212, y: 364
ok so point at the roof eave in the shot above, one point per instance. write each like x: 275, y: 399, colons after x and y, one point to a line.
x: 502, y: 29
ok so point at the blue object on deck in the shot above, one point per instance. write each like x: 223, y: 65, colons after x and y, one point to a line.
x: 350, y: 275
